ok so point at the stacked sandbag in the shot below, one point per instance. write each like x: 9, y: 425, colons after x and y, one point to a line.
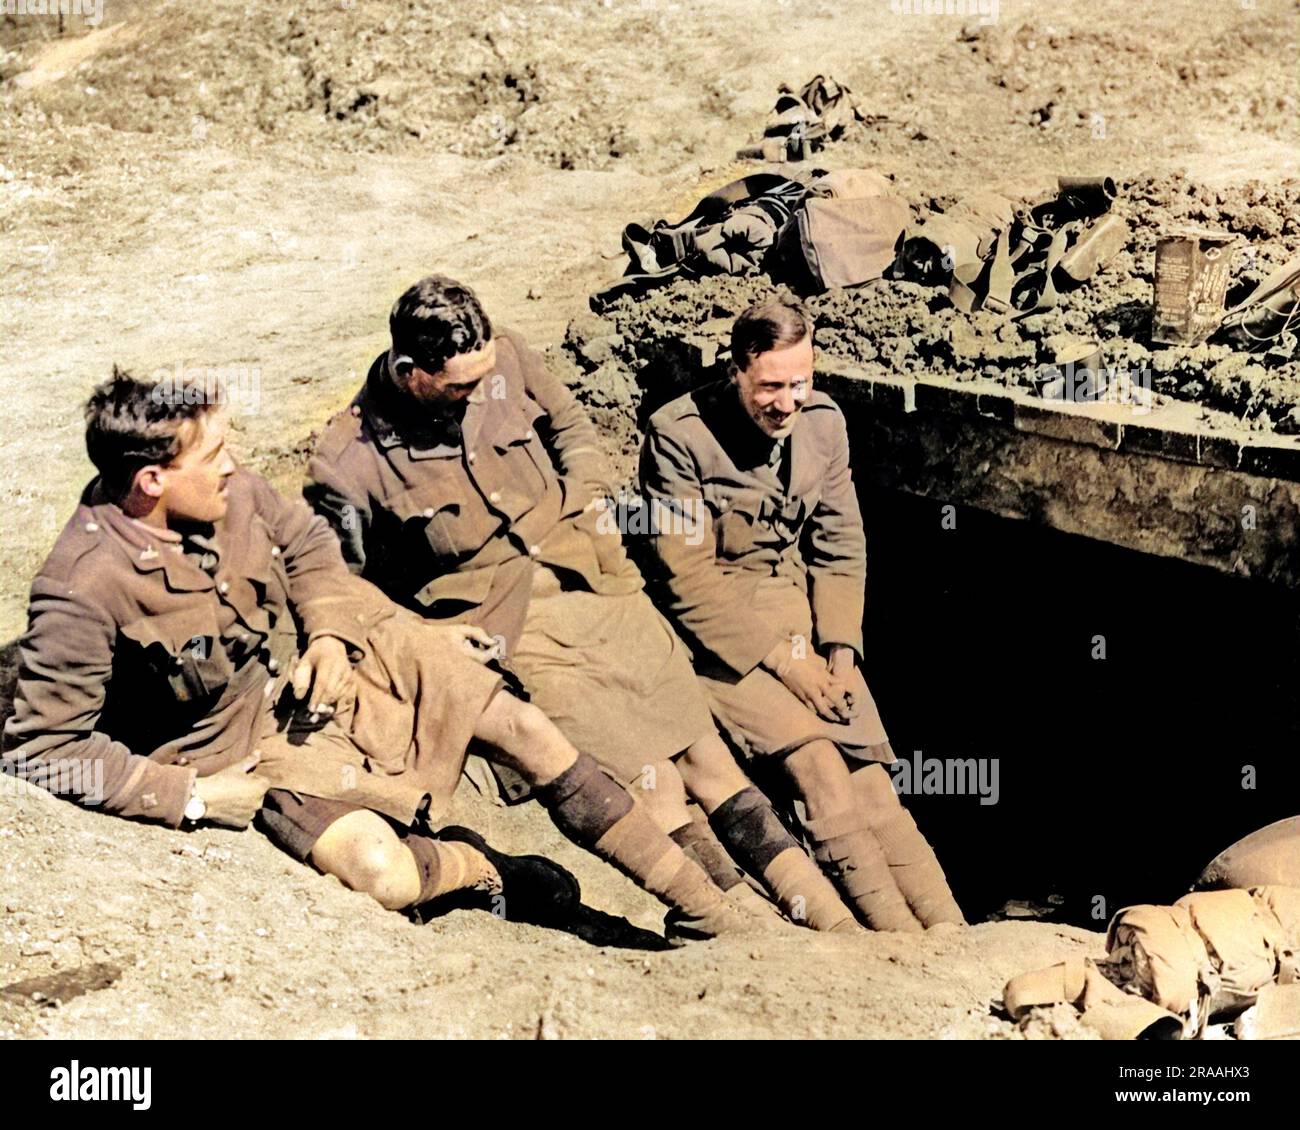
x: 1209, y: 955
x: 1107, y: 1010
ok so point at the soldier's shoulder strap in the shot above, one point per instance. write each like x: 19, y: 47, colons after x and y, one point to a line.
x: 669, y: 419
x: 79, y: 538
x: 342, y: 431
x: 691, y: 405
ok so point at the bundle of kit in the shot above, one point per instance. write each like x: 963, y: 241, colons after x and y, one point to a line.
x: 1171, y: 970
x: 1015, y: 248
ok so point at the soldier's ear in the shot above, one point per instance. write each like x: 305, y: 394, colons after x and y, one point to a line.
x: 149, y: 481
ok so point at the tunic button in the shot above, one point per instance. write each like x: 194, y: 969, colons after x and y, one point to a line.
x: 356, y: 410
x: 534, y: 551
x: 275, y: 551
x: 273, y: 665
x: 224, y: 587
x: 182, y: 761
x: 92, y: 527
x: 472, y: 456
x: 494, y: 497
x: 428, y: 511
x: 528, y: 435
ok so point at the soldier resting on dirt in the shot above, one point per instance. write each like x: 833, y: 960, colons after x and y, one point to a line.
x: 465, y: 481
x: 771, y: 598
x: 164, y: 647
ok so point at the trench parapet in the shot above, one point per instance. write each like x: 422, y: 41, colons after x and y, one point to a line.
x: 1174, y: 480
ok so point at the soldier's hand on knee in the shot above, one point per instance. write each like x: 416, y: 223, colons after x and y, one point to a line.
x: 326, y: 671
x: 810, y: 681
x: 843, y: 701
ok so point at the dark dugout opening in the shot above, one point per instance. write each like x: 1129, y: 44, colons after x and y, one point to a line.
x: 1119, y: 777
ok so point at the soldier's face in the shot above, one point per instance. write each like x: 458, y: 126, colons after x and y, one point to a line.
x: 450, y: 387
x: 195, y: 485
x: 775, y: 385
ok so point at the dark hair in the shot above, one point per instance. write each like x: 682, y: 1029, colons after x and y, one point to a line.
x: 436, y: 319
x: 131, y: 424
x: 769, y: 325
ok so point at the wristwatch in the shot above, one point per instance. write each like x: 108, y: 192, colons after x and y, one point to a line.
x: 195, y: 809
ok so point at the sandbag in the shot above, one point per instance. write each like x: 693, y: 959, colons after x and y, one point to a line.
x: 1270, y: 856
x: 1275, y: 1015
x: 1242, y: 939
x: 1157, y: 951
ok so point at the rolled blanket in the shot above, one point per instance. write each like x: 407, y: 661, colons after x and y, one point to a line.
x: 1210, y: 953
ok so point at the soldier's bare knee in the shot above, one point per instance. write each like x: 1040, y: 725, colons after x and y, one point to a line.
x: 364, y: 852
x: 820, y: 776
x: 532, y: 726
x: 816, y: 759
x: 660, y: 788
x: 710, y: 772
x: 532, y: 744
x: 875, y: 788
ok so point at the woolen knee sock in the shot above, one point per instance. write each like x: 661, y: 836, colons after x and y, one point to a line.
x: 915, y: 867
x: 749, y: 828
x: 845, y: 845
x: 447, y: 867
x: 595, y: 812
x: 697, y: 840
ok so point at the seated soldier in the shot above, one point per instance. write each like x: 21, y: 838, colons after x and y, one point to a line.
x: 772, y: 599
x: 464, y: 482
x: 163, y: 648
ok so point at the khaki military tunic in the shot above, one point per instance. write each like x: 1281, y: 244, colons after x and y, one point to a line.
x: 773, y: 550
x: 491, y: 521
x: 156, y: 657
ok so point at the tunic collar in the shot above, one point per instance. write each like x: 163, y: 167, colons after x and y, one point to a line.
x: 748, y: 446
x: 149, y: 548
x: 395, y: 421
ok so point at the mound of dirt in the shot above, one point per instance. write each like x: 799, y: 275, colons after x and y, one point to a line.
x: 113, y: 929
x: 642, y: 351
x: 550, y: 81
x: 474, y: 77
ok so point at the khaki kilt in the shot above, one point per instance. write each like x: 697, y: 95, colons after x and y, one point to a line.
x: 612, y: 675
x: 760, y: 715
x: 405, y: 738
